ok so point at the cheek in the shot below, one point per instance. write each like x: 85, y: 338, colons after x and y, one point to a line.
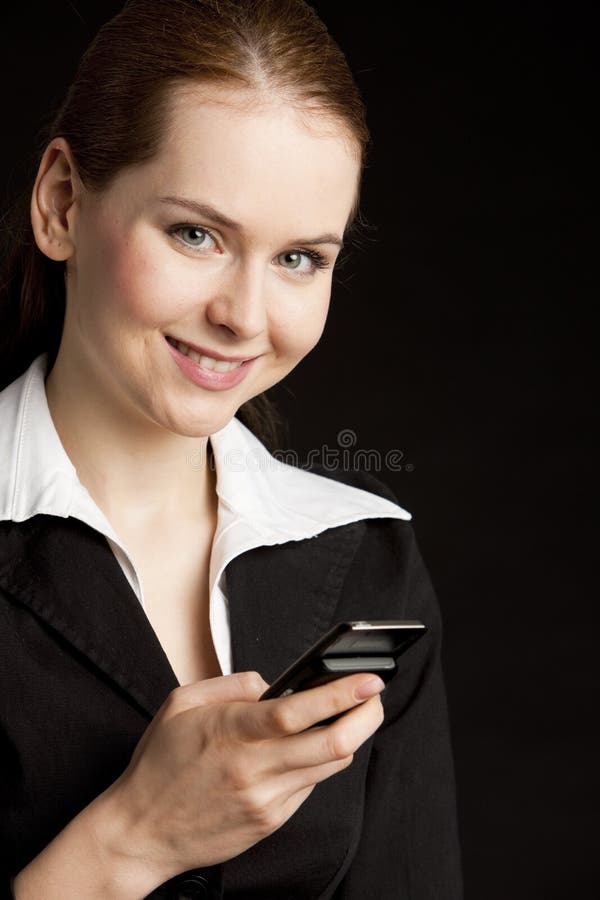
x: 133, y: 283
x: 139, y: 286
x: 300, y: 330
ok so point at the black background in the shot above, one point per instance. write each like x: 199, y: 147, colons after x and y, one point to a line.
x: 459, y: 336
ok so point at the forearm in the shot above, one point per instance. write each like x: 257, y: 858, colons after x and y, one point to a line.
x: 90, y: 859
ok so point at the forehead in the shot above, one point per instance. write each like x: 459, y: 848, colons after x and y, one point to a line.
x: 250, y: 156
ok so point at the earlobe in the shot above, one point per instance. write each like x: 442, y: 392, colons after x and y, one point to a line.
x: 52, y: 198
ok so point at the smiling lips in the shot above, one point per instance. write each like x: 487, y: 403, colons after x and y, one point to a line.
x: 207, y: 362
x: 206, y: 371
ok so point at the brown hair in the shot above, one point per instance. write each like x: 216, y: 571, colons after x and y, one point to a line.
x: 114, y: 115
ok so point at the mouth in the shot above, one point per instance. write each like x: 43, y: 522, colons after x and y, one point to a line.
x: 215, y: 364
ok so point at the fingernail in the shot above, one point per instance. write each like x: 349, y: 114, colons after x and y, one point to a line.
x: 369, y: 688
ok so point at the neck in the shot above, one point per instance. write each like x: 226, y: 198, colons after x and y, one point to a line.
x: 138, y: 472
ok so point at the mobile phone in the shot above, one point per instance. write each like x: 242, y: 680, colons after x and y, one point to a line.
x: 347, y: 648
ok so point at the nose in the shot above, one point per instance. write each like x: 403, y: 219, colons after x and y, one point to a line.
x: 239, y: 304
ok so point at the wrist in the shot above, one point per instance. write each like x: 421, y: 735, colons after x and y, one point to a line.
x: 97, y: 855
x: 124, y: 850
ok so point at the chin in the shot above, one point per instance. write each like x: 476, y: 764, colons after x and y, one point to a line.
x: 198, y: 426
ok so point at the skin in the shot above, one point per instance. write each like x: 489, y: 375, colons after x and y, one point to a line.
x: 215, y: 771
x: 127, y: 416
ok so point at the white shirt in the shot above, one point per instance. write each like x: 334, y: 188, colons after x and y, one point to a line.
x: 261, y: 500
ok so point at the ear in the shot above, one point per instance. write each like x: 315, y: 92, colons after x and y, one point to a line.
x: 54, y: 200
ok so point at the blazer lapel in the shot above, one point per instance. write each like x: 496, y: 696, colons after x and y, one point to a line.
x: 283, y: 598
x: 66, y: 573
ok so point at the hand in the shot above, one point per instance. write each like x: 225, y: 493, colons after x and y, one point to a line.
x: 216, y: 772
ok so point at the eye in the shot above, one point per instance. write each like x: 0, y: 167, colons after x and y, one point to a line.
x: 293, y: 260
x: 193, y: 236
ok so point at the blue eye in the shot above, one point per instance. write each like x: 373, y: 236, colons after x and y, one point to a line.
x: 197, y: 235
x: 294, y: 257
x: 317, y: 260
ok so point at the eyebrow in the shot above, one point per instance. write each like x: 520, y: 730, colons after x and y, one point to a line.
x: 205, y: 210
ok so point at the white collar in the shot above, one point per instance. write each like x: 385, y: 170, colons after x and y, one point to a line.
x: 262, y: 500
x: 281, y: 500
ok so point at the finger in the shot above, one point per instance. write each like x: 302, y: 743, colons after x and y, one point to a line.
x: 240, y: 686
x: 291, y: 715
x: 320, y: 746
x: 293, y: 787
x: 306, y: 779
x: 280, y: 797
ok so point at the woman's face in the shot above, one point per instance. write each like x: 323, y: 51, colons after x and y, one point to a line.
x: 225, y: 241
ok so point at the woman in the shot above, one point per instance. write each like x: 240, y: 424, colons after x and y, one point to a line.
x: 185, y: 219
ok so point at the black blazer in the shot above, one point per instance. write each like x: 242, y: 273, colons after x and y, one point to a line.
x: 82, y: 673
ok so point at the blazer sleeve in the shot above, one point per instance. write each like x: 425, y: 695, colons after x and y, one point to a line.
x: 408, y: 848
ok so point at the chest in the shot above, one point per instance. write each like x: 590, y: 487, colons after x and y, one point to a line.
x: 175, y: 586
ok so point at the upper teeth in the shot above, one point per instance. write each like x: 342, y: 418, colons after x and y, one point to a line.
x: 207, y: 362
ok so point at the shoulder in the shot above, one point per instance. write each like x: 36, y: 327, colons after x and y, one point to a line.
x: 386, y: 576
x: 384, y: 525
x: 388, y: 543
x: 358, y: 478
